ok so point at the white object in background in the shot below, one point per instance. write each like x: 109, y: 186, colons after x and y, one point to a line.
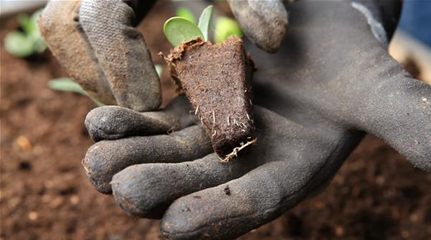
x: 11, y: 7
x: 404, y: 46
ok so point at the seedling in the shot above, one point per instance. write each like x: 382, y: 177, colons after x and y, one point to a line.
x: 216, y: 78
x: 28, y: 41
x: 180, y: 29
x: 183, y: 27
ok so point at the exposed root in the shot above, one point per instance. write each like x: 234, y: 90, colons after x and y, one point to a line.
x: 236, y: 150
x: 197, y: 110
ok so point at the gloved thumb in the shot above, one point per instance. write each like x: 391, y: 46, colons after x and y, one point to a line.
x: 264, y: 22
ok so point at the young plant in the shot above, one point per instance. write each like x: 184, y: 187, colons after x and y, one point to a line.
x: 216, y: 79
x: 28, y: 41
x: 183, y: 27
x: 180, y: 29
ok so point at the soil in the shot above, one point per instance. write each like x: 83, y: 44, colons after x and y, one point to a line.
x: 44, y: 193
x: 217, y: 80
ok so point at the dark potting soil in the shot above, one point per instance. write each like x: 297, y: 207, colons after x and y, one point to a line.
x: 217, y: 80
x: 45, y: 195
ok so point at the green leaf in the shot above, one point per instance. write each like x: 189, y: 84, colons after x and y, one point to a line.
x: 29, y: 24
x: 66, y: 85
x: 18, y: 44
x: 186, y: 13
x: 29, y: 41
x: 178, y: 29
x: 226, y: 27
x: 39, y: 46
x: 35, y: 16
x: 24, y: 21
x: 205, y: 21
x: 34, y: 31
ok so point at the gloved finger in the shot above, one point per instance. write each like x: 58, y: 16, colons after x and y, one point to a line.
x: 239, y: 206
x: 264, y: 22
x: 112, y: 122
x: 60, y: 27
x: 398, y: 110
x: 147, y: 190
x: 122, y: 52
x: 106, y: 158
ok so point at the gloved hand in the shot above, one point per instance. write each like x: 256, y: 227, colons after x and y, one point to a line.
x: 97, y: 44
x: 331, y: 82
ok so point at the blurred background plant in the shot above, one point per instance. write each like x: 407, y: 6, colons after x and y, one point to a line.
x: 66, y: 84
x: 27, y: 40
x: 226, y: 27
x: 186, y: 13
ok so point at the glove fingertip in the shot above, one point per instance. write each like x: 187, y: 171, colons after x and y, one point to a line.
x: 194, y: 217
x: 175, y: 225
x: 112, y: 122
x: 135, y: 195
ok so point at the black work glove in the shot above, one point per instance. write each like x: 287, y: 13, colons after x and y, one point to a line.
x: 332, y: 82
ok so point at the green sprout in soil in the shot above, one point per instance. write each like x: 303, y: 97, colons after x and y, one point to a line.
x: 183, y: 27
x: 27, y: 41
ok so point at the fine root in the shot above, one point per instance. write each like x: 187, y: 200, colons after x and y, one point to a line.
x: 236, y: 150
